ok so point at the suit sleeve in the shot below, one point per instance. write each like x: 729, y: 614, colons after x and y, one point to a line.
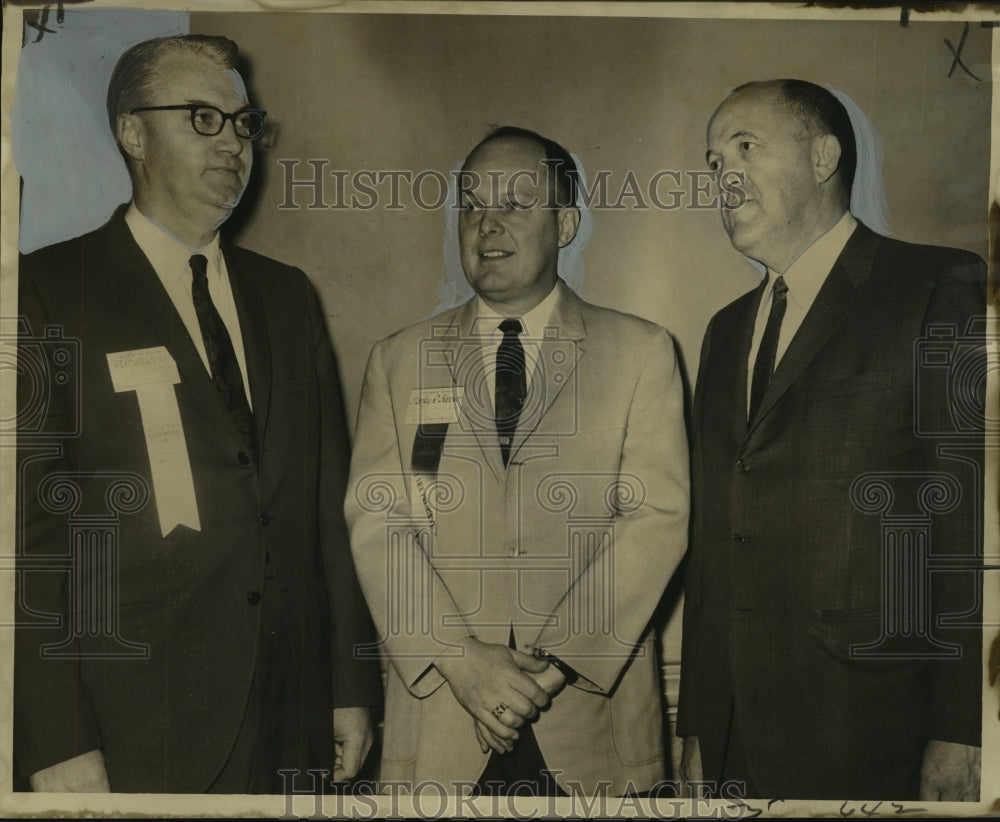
x: 954, y: 707
x: 390, y: 545
x: 686, y: 707
x: 650, y: 527
x: 54, y: 719
x: 356, y: 679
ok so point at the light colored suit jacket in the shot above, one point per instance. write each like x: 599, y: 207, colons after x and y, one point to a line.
x: 571, y: 545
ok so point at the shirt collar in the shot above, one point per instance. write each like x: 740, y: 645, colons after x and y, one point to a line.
x: 806, y: 275
x: 533, y: 322
x: 168, y: 255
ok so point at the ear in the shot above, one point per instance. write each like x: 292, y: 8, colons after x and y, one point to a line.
x: 131, y: 136
x: 825, y: 156
x: 569, y: 221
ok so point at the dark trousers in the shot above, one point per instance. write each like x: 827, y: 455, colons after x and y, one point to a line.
x: 734, y: 768
x: 521, y: 772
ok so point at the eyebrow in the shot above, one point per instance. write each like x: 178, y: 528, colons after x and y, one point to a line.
x: 200, y: 102
x: 738, y: 135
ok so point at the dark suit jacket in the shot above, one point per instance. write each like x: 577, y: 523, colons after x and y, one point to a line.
x: 165, y: 697
x: 803, y: 517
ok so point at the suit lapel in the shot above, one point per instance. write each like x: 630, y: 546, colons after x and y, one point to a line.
x: 468, y: 371
x: 835, y: 297
x: 558, y: 357
x: 256, y: 346
x: 560, y: 351
x: 740, y: 342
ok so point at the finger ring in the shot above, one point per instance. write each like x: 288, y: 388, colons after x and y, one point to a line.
x: 499, y: 709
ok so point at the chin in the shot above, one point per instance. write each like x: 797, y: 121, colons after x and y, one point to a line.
x: 742, y: 237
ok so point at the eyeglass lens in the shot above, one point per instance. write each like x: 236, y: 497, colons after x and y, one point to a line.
x: 209, y: 122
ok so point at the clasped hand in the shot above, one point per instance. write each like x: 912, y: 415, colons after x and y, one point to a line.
x: 487, y: 676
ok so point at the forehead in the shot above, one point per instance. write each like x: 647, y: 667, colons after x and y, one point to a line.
x: 191, y: 78
x: 499, y: 159
x: 756, y: 111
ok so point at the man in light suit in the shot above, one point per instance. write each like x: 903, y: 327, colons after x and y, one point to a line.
x: 833, y: 466
x: 517, y: 503
x: 188, y: 606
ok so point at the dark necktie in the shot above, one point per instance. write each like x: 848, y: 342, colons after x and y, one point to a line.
x: 511, y: 385
x: 222, y: 361
x: 764, y: 366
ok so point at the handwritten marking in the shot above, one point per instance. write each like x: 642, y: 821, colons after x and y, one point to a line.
x: 902, y: 809
x: 957, y: 53
x: 40, y: 24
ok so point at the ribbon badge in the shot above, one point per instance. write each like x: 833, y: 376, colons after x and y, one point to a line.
x: 152, y: 374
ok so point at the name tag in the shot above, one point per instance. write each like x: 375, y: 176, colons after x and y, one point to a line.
x: 152, y: 374
x: 433, y: 405
x: 131, y: 370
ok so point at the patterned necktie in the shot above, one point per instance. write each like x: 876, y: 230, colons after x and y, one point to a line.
x: 222, y: 361
x: 511, y: 385
x: 764, y: 366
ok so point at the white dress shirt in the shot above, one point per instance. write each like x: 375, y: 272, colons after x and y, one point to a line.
x: 170, y: 259
x: 533, y: 326
x: 804, y: 278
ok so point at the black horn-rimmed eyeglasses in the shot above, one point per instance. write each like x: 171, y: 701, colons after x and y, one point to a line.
x: 208, y: 120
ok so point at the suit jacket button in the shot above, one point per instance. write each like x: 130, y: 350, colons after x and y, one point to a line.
x: 740, y: 539
x: 242, y: 458
x: 265, y: 518
x: 253, y: 597
x: 742, y: 465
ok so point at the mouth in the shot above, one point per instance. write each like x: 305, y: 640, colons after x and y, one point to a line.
x: 495, y: 255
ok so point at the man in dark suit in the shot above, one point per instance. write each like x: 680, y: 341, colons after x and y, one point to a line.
x: 188, y: 606
x: 822, y: 656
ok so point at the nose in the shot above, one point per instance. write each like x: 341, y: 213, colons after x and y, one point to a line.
x: 227, y: 140
x: 490, y: 223
x: 729, y: 180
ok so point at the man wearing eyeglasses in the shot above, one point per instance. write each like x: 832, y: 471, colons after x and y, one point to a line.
x: 205, y: 642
